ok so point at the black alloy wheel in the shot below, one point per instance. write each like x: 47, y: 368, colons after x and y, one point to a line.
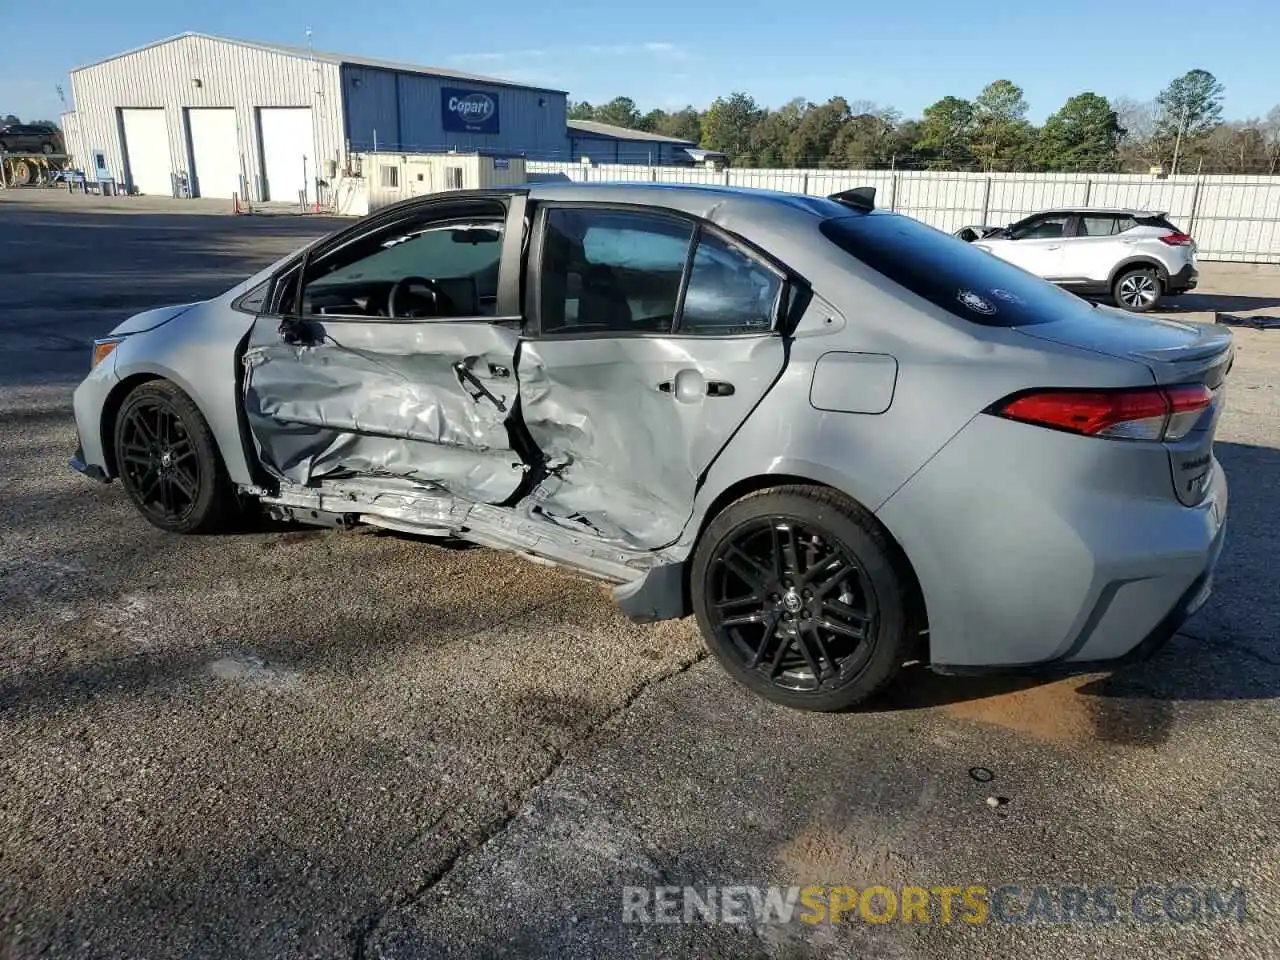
x: 800, y: 599
x: 793, y: 604
x: 168, y: 462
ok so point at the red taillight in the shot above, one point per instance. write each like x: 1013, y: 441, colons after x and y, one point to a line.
x: 1156, y: 413
x: 1176, y: 239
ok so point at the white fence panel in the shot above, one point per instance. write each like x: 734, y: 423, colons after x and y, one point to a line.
x: 1232, y: 218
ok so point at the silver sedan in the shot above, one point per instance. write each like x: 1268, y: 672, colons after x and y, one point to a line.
x: 840, y: 438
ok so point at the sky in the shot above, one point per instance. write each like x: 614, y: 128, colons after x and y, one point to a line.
x: 668, y: 53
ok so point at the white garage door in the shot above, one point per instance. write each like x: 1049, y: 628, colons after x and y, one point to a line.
x: 287, y: 163
x: 146, y: 151
x: 215, y: 153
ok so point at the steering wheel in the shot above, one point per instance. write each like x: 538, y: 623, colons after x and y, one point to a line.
x: 443, y: 304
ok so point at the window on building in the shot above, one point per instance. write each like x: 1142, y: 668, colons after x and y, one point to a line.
x: 453, y: 178
x: 606, y: 270
x: 390, y: 176
x: 729, y: 292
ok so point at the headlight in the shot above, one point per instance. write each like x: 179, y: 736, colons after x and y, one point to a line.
x: 102, y: 349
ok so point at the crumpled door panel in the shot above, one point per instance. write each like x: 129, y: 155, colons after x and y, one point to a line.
x: 625, y: 448
x: 615, y: 460
x: 426, y: 401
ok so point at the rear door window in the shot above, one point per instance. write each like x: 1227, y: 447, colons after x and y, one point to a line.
x: 958, y: 277
x: 730, y: 291
x: 611, y: 271
x: 1105, y: 225
x: 1097, y: 226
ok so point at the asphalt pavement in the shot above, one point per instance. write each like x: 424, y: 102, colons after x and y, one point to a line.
x: 289, y: 742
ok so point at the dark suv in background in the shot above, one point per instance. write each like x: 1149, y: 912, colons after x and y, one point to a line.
x: 30, y: 138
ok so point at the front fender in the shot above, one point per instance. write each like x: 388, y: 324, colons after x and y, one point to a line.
x: 199, y: 352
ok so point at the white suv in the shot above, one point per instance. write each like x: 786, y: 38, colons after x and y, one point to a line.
x: 1135, y: 256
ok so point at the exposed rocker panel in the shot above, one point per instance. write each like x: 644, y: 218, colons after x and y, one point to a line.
x: 437, y: 513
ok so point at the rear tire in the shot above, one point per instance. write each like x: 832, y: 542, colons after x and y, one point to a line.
x: 797, y: 594
x: 1138, y: 290
x: 168, y: 461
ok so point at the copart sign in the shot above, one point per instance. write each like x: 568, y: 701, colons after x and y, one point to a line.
x: 469, y: 111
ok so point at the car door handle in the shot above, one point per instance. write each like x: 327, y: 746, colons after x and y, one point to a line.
x: 1054, y: 246
x: 714, y: 388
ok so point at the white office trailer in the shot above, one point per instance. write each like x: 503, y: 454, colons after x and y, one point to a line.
x: 376, y: 180
x: 197, y: 115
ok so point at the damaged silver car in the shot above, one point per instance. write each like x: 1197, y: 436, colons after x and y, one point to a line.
x: 841, y: 438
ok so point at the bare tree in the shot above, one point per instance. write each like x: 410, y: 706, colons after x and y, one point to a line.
x: 1138, y: 126
x: 1270, y: 128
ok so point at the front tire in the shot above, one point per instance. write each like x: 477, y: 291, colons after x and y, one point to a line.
x: 1138, y: 290
x: 797, y: 594
x: 168, y: 461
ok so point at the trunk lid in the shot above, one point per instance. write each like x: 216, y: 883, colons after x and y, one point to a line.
x: 1175, y: 352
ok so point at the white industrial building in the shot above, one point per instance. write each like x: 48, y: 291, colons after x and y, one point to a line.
x: 207, y: 116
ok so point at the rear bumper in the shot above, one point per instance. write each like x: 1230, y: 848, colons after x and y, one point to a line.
x: 1192, y: 600
x: 1039, y: 550
x: 1182, y: 281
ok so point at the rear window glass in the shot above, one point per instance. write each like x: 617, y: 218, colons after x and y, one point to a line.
x: 957, y: 276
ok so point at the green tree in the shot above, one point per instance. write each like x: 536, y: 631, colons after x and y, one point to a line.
x: 581, y: 110
x: 1192, y: 103
x: 810, y: 142
x: 1002, y: 137
x: 1187, y: 110
x: 652, y: 120
x: 620, y: 111
x: 869, y: 139
x: 771, y: 135
x: 11, y: 118
x: 684, y: 124
x: 946, y: 129
x: 1084, y: 134
x: 728, y: 125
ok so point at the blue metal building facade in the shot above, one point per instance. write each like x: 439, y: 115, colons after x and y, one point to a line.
x: 408, y: 111
x: 605, y: 143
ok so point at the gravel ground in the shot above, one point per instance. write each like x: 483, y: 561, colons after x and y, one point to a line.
x: 316, y: 743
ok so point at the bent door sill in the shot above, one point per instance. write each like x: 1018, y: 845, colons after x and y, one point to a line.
x: 412, y: 508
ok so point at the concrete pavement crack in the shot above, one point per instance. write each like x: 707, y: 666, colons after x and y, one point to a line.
x: 368, y: 923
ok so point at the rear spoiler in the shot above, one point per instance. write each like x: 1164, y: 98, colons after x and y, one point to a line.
x: 859, y: 198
